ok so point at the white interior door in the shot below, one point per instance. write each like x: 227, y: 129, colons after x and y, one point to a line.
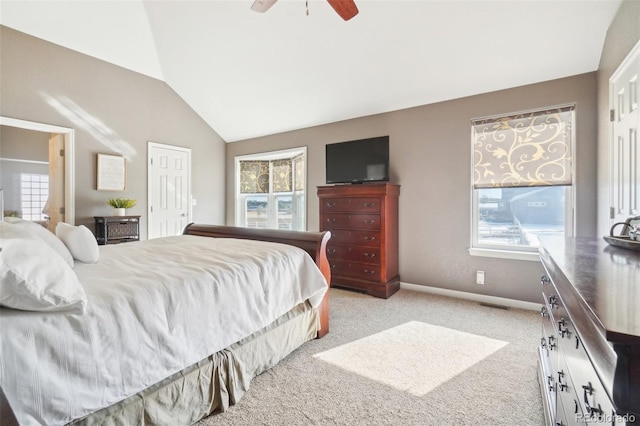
x: 169, y: 180
x: 624, y: 92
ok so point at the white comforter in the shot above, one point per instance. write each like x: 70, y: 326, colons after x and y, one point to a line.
x: 154, y: 307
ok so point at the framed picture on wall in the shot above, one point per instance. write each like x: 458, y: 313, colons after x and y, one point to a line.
x: 112, y: 172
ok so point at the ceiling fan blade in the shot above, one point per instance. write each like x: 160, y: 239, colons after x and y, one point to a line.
x: 262, y: 5
x: 347, y: 9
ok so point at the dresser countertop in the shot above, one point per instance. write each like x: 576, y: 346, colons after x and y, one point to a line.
x: 607, y: 279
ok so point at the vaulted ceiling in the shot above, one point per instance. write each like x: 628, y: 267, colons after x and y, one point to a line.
x: 249, y: 74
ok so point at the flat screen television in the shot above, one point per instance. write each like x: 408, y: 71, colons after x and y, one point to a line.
x: 358, y: 161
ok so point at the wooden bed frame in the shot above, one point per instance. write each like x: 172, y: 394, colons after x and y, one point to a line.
x: 314, y: 243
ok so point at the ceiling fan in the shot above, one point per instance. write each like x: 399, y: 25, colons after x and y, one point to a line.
x: 347, y: 9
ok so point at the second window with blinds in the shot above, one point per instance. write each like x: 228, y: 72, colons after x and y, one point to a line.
x: 522, y: 180
x: 270, y: 190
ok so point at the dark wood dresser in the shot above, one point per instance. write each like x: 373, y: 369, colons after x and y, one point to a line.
x: 117, y: 229
x: 363, y: 249
x: 589, y: 354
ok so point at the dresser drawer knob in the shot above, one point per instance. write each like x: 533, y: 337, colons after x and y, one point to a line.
x: 370, y: 205
x: 368, y: 271
x: 544, y: 279
x: 331, y: 205
x: 369, y: 221
x: 552, y: 344
x: 553, y: 301
x: 369, y: 238
x: 543, y: 342
x: 331, y: 219
x: 331, y: 251
x: 544, y: 312
x: 369, y: 255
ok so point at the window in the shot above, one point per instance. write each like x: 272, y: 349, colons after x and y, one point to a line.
x: 271, y: 190
x: 522, y: 179
x: 34, y: 192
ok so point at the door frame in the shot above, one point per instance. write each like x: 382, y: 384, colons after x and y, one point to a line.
x: 69, y: 159
x: 151, y: 145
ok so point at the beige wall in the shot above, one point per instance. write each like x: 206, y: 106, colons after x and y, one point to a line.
x: 622, y: 36
x: 24, y: 144
x: 430, y: 156
x: 113, y: 110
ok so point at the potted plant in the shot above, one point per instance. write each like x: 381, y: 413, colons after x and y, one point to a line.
x: 120, y: 205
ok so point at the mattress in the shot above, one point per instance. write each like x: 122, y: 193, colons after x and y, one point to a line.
x: 154, y: 308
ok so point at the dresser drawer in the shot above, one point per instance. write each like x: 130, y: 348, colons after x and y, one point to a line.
x: 349, y: 204
x: 370, y: 255
x: 594, y: 402
x: 568, y: 405
x: 351, y: 221
x: 354, y: 270
x: 360, y: 238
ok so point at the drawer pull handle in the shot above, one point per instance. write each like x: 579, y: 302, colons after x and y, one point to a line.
x: 588, y: 389
x: 331, y: 251
x: 544, y: 279
x: 368, y: 271
x: 550, y: 383
x: 333, y: 266
x: 562, y: 386
x: 368, y: 238
x: 370, y: 205
x: 331, y: 205
x: 369, y: 255
x: 544, y: 312
x: 552, y: 342
x: 331, y: 219
x: 543, y: 343
x: 562, y: 328
x: 369, y: 221
x: 553, y: 301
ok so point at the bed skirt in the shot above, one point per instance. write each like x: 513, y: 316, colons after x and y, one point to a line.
x: 215, y: 383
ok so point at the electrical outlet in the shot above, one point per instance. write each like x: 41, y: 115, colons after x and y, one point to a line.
x: 480, y: 277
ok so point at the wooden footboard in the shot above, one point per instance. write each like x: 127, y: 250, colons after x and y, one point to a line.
x: 314, y: 243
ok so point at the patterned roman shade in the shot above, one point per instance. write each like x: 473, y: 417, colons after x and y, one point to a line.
x: 529, y: 149
x: 282, y: 175
x: 298, y: 171
x: 254, y: 177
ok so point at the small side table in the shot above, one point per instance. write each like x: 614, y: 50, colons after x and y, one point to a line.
x: 117, y: 229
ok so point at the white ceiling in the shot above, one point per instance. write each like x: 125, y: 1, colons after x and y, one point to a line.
x: 249, y: 74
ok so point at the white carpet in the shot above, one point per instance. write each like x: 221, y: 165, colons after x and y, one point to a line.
x: 414, y: 357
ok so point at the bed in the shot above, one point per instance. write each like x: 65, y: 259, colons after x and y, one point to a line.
x: 172, y: 330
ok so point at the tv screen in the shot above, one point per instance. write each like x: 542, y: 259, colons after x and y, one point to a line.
x: 363, y: 160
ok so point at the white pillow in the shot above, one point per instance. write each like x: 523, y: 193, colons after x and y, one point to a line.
x: 45, y: 235
x: 80, y: 242
x: 34, y: 278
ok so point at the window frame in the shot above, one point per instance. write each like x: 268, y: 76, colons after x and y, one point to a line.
x: 520, y: 252
x: 299, y: 219
x: 31, y: 203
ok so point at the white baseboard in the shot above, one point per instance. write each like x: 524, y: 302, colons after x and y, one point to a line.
x: 512, y: 303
